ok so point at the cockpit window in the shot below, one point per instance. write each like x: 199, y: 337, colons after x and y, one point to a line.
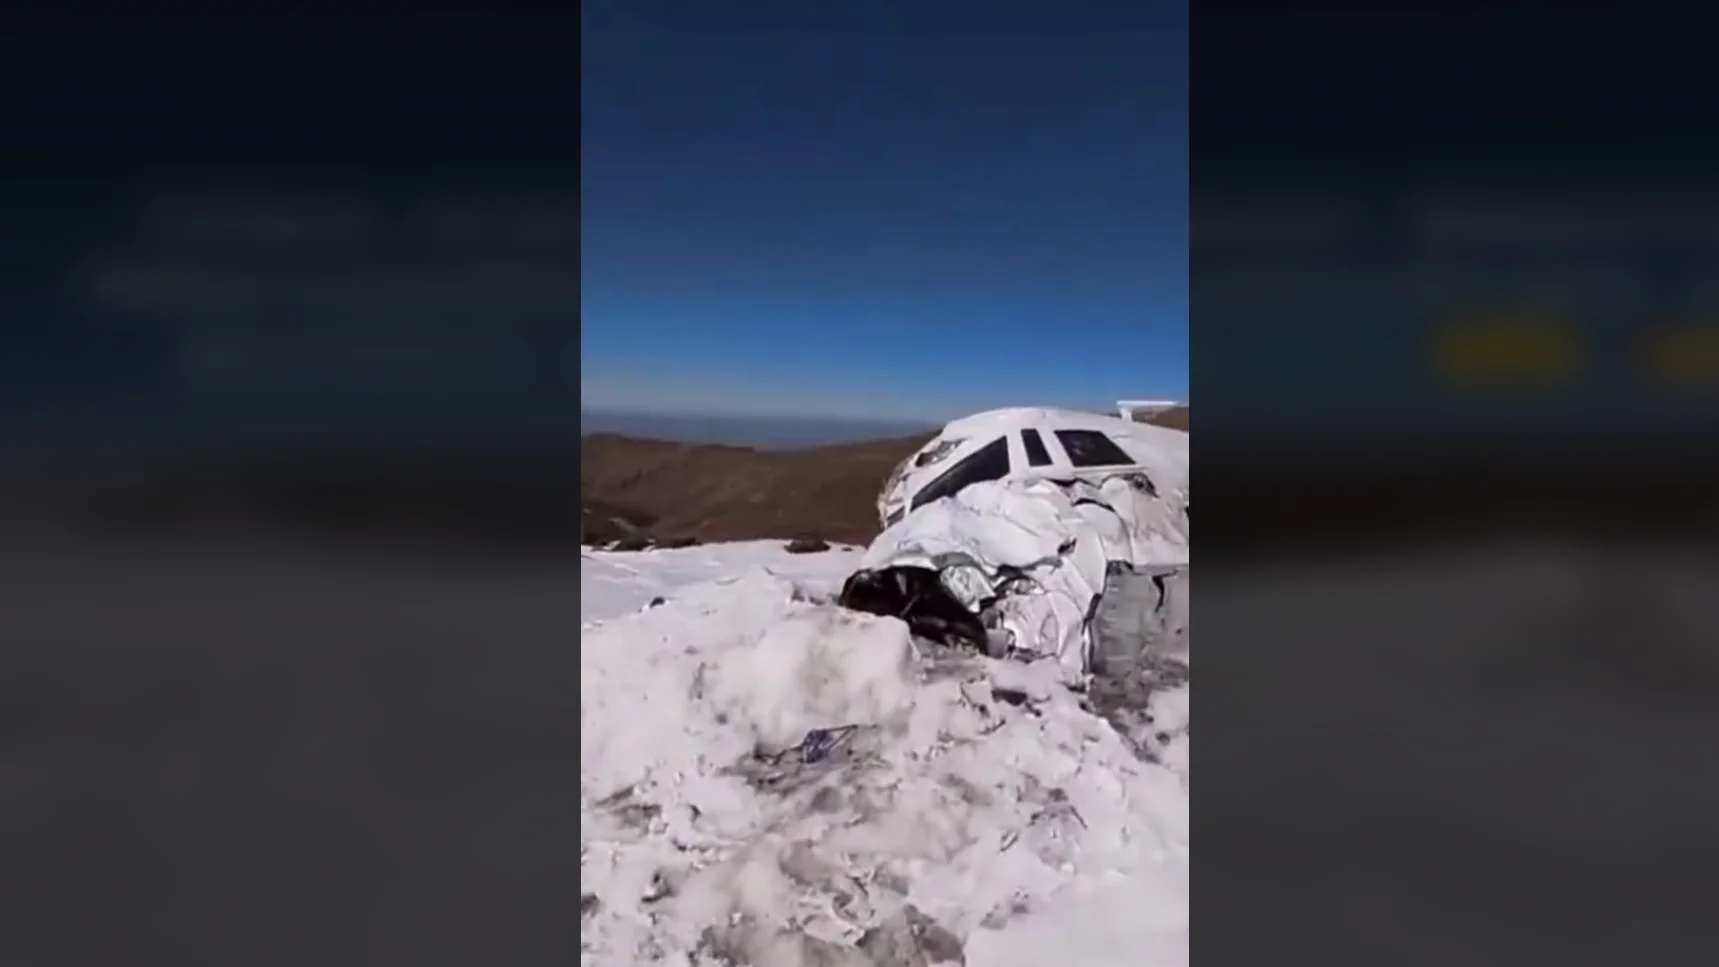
x: 1090, y: 448
x: 991, y: 462
x: 930, y: 455
x: 1037, y: 455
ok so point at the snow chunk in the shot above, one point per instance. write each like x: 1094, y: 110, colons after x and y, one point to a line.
x: 820, y: 668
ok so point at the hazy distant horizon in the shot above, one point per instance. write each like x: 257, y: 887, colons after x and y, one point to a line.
x: 750, y: 431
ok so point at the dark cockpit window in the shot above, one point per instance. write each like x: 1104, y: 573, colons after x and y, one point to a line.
x: 990, y: 463
x: 1090, y: 448
x: 1037, y: 455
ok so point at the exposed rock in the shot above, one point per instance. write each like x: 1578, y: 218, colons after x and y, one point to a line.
x: 807, y: 544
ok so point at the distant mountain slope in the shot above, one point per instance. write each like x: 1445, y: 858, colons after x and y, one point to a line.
x: 1176, y: 418
x: 769, y: 433
x: 717, y: 492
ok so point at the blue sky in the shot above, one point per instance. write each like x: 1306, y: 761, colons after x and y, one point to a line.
x: 882, y: 209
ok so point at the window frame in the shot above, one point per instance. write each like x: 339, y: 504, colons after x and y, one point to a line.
x: 1092, y: 436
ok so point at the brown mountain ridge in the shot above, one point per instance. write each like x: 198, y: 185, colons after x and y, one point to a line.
x: 668, y: 490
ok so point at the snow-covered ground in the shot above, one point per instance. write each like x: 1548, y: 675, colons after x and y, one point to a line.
x: 770, y: 780
x: 615, y: 583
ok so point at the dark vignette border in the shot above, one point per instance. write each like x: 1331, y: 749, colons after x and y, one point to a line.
x: 1461, y: 642
x: 219, y: 743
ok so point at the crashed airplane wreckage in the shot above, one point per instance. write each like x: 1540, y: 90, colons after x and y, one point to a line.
x: 1038, y: 533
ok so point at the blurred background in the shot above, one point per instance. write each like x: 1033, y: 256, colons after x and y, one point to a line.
x: 259, y: 265
x: 1480, y: 291
x: 286, y: 389
x: 1452, y: 323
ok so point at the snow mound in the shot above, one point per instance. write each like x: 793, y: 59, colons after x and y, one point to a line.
x: 770, y: 780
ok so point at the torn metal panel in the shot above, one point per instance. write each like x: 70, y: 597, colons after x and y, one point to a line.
x: 1028, y: 559
x: 1142, y: 614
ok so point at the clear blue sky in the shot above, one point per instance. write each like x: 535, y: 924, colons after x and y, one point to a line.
x: 883, y: 209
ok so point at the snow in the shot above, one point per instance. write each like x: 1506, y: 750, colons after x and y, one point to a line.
x: 978, y: 794
x: 612, y: 584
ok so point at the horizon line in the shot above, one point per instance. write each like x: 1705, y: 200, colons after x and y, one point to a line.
x: 739, y: 415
